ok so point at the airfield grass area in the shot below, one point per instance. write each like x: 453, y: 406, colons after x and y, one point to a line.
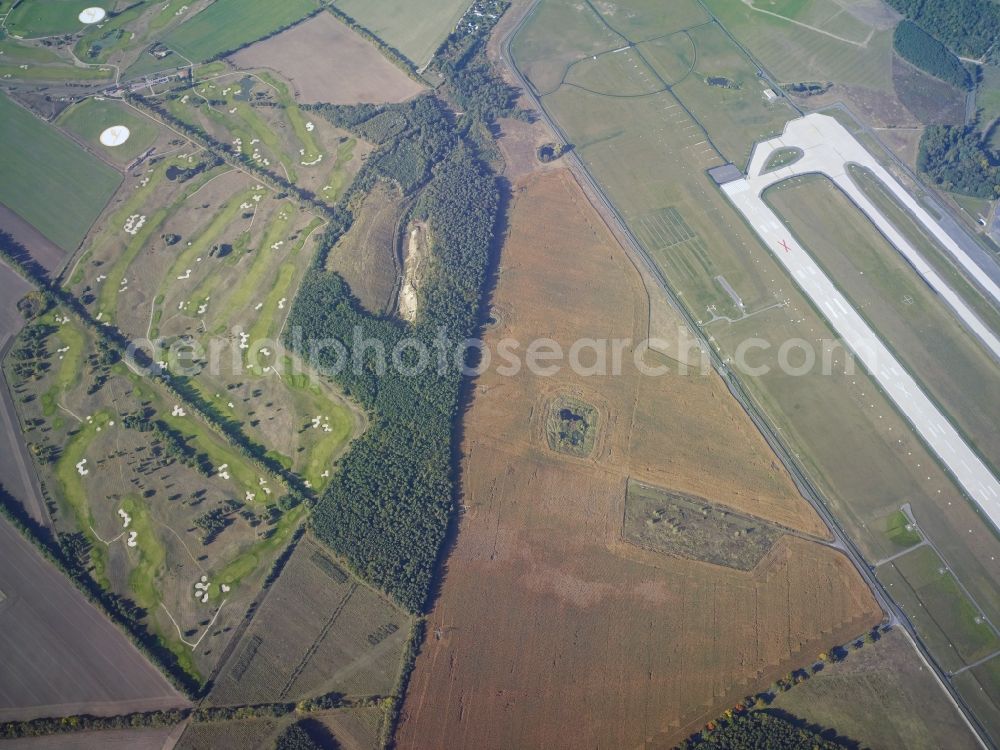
x: 953, y: 367
x: 795, y: 53
x: 89, y: 118
x: 227, y: 25
x: 931, y: 250
x: 880, y: 696
x: 650, y: 158
x: 137, y: 478
x: 946, y: 620
x: 44, y: 169
x: 415, y: 29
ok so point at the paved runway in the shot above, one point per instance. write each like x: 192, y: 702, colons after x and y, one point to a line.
x: 828, y: 147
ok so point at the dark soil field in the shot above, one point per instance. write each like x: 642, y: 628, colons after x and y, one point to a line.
x: 527, y: 643
x: 61, y: 656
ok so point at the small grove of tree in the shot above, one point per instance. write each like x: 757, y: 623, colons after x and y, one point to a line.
x: 927, y: 53
x: 957, y: 159
x: 755, y: 730
x: 969, y: 27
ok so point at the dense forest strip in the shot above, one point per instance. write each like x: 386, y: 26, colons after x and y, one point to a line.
x: 967, y: 27
x: 387, y: 509
x: 927, y: 53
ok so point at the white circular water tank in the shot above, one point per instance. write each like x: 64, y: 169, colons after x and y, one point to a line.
x: 92, y: 15
x: 116, y: 135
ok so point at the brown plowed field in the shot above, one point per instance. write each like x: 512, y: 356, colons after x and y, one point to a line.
x: 328, y: 62
x: 551, y: 631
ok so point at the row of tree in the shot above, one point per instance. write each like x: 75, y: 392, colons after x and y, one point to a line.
x: 169, y: 717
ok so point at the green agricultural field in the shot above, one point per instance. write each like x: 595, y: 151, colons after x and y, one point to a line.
x: 89, y: 118
x: 415, y: 29
x: 952, y: 366
x: 227, y: 25
x: 49, y: 180
x: 38, y: 18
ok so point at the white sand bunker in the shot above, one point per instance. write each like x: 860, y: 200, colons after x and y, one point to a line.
x: 116, y: 135
x: 92, y: 15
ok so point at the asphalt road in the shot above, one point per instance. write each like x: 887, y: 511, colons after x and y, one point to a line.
x: 894, y: 616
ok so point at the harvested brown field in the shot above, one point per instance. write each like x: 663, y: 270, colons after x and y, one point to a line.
x: 328, y: 62
x: 319, y: 630
x: 367, y: 256
x: 550, y: 630
x: 60, y: 655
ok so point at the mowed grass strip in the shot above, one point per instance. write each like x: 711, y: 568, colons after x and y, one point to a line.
x: 48, y: 180
x: 227, y: 25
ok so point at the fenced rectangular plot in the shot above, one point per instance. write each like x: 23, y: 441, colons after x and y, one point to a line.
x: 48, y: 180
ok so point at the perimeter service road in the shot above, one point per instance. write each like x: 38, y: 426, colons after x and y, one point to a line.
x: 828, y: 147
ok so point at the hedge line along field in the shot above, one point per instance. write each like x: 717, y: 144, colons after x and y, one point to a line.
x: 195, y: 251
x: 650, y: 157
x: 42, y: 169
x: 903, y: 702
x: 415, y: 29
x: 228, y: 25
x: 545, y: 529
x: 157, y: 504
